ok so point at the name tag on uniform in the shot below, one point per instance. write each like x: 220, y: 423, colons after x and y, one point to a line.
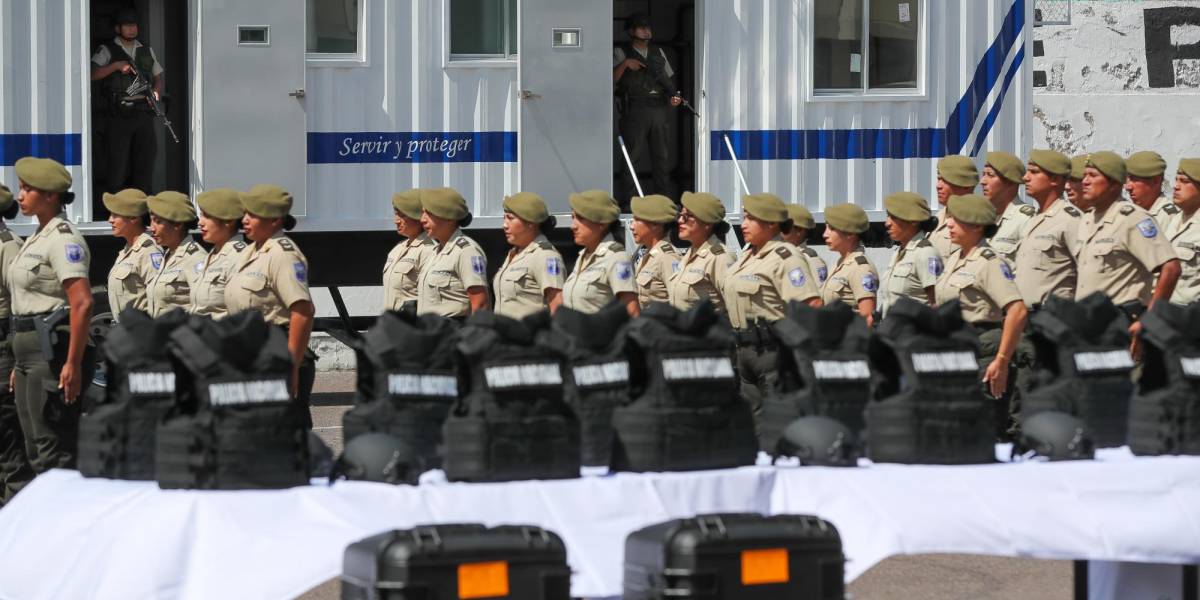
x: 697, y: 368
x: 149, y: 383
x: 422, y: 384
x: 1112, y: 360
x: 601, y: 374
x: 241, y: 393
x: 506, y: 377
x: 845, y: 370
x: 944, y: 362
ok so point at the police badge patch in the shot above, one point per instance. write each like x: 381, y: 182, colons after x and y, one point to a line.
x: 156, y: 260
x: 624, y: 271
x: 870, y: 282
x: 1006, y: 271
x: 74, y: 253
x: 935, y: 266
x: 553, y: 267
x: 675, y: 267
x: 822, y: 274
x: 477, y: 265
x: 301, y: 272
x: 1147, y: 228
x: 796, y: 277
x: 199, y: 267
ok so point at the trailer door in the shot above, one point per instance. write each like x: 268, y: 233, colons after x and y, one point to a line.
x: 565, y: 95
x: 250, y: 115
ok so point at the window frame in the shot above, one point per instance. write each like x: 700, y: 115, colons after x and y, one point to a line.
x: 451, y: 60
x: 865, y: 93
x: 358, y: 58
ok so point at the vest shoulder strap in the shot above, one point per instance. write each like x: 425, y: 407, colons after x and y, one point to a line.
x: 193, y: 352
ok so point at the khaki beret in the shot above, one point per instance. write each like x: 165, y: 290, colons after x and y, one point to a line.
x: 907, y: 206
x: 595, y: 206
x: 1145, y: 164
x: 1078, y: 164
x: 707, y: 207
x: 1007, y: 166
x: 654, y: 209
x: 172, y: 206
x: 765, y: 207
x: 801, y: 217
x: 528, y: 206
x: 849, y: 218
x: 126, y: 203
x: 45, y: 174
x: 445, y: 203
x: 1054, y: 163
x: 408, y: 203
x: 221, y: 203
x: 6, y: 198
x: 972, y: 209
x: 267, y: 201
x: 958, y: 170
x: 1108, y: 163
x: 1187, y: 166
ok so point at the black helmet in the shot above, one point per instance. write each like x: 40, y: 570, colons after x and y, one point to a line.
x: 377, y: 457
x: 820, y: 441
x: 637, y: 20
x: 125, y: 16
x: 1056, y: 436
x: 320, y: 457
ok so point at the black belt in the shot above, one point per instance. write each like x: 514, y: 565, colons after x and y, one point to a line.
x: 988, y: 326
x: 24, y: 323
x: 754, y: 337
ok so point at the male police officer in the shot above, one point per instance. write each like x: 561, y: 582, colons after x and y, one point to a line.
x: 956, y: 176
x: 1002, y: 179
x: 1045, y: 259
x: 1144, y: 183
x: 1185, y: 231
x: 1075, y: 180
x: 643, y: 79
x: 130, y: 118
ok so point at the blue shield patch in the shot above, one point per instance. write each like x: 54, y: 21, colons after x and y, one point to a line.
x: 935, y: 266
x: 199, y: 267
x: 822, y: 274
x: 74, y: 253
x: 553, y: 267
x: 675, y: 267
x: 301, y: 272
x: 477, y: 265
x: 1007, y: 271
x: 624, y: 271
x: 870, y: 282
x: 1147, y: 228
x: 156, y: 260
x: 796, y: 277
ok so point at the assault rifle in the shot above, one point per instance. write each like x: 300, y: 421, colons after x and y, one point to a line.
x: 142, y: 85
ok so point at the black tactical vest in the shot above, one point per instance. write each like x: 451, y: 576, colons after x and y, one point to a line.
x: 648, y: 82
x: 116, y: 88
x: 1083, y: 365
x: 407, y: 382
x: 236, y: 425
x: 512, y: 420
x: 117, y: 438
x: 823, y: 369
x: 1164, y: 417
x: 684, y: 413
x: 929, y: 406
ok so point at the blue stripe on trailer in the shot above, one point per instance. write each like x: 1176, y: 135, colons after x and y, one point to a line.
x: 966, y: 113
x: 66, y: 148
x: 986, y: 128
x: 358, y: 147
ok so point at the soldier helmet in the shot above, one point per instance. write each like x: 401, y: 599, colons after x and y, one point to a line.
x: 320, y: 456
x: 1056, y: 436
x: 377, y: 457
x: 819, y: 441
x: 125, y: 16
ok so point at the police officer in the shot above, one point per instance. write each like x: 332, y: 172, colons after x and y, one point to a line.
x: 985, y: 286
x: 129, y: 117
x: 454, y: 281
x: 644, y: 81
x: 48, y: 276
x: 1144, y: 184
x: 220, y: 220
x: 1002, y: 179
x: 15, y: 471
x: 769, y: 274
x: 1185, y: 232
x: 1075, y: 181
x: 702, y: 268
x: 915, y: 268
x: 653, y: 218
x: 531, y: 278
x: 1045, y: 259
x: 138, y: 262
x: 603, y: 272
x: 853, y: 280
x: 171, y: 218
x: 271, y: 277
x: 957, y: 176
x: 402, y: 270
x: 802, y: 223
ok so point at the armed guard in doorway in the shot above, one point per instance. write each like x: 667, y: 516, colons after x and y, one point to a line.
x: 645, y: 86
x: 1164, y: 417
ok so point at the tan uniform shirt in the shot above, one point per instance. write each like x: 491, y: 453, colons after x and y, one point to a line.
x: 172, y: 288
x: 208, y: 290
x: 10, y: 244
x: 136, y: 266
x: 455, y: 267
x: 1164, y: 211
x: 982, y: 282
x: 701, y: 274
x: 816, y: 264
x: 56, y: 253
x: 761, y: 283
x: 1185, y: 239
x: 654, y: 270
x: 598, y: 277
x: 1045, y: 261
x: 1119, y: 251
x: 1010, y: 229
x: 852, y: 280
x: 402, y: 271
x: 526, y: 274
x: 914, y: 267
x: 270, y: 279
x: 940, y: 236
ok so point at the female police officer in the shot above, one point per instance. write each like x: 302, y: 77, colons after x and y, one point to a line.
x: 15, y: 471
x: 138, y: 262
x: 702, y: 269
x: 531, y: 278
x: 853, y: 280
x: 916, y: 266
x: 802, y: 223
x: 653, y: 217
x: 220, y: 219
x: 171, y: 218
x: 603, y: 271
x: 49, y: 284
x: 403, y: 267
x: 454, y: 281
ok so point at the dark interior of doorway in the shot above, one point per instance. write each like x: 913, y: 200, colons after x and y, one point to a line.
x: 673, y: 23
x: 163, y: 25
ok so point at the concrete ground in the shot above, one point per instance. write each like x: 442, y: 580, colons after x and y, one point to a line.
x: 925, y: 577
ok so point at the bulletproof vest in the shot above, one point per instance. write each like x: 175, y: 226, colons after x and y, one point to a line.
x: 235, y: 425
x: 1082, y: 365
x: 117, y: 437
x: 823, y: 369
x: 512, y: 420
x: 407, y: 382
x: 684, y: 413
x: 1164, y: 416
x: 116, y: 87
x: 649, y: 82
x: 599, y: 374
x: 928, y: 406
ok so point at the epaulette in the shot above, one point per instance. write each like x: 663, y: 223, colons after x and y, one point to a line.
x: 924, y: 244
x: 545, y: 245
x: 810, y: 252
x: 192, y: 248
x: 462, y: 242
x: 239, y: 246
x: 666, y: 246
x: 1126, y: 209
x: 862, y: 260
x: 1027, y: 210
x: 1170, y: 209
x: 988, y: 254
x: 718, y: 250
x: 783, y: 252
x: 147, y: 243
x: 6, y: 236
x: 287, y: 244
x: 1071, y: 210
x: 64, y: 228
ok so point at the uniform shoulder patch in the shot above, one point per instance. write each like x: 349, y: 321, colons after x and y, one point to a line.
x: 718, y: 250
x: 64, y: 228
x: 1147, y: 228
x: 1126, y: 209
x: 239, y: 246
x: 1170, y: 209
x: 1071, y: 210
x: 783, y: 252
x: 192, y: 248
x: 988, y: 254
x: 545, y: 245
x: 1027, y: 210
x: 147, y: 243
x: 862, y: 260
x: 287, y: 244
